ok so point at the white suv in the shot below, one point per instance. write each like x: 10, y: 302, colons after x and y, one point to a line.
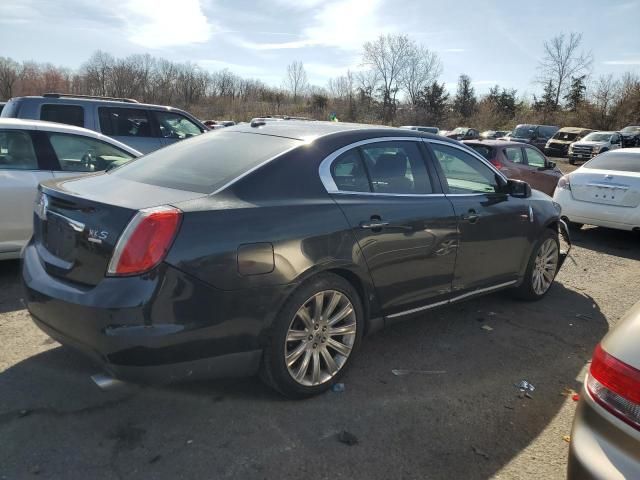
x: 594, y: 144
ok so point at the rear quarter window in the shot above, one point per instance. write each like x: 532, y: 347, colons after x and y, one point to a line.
x: 68, y: 114
x: 207, y: 162
x: 11, y: 109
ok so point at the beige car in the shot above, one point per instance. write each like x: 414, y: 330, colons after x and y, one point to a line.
x: 605, y: 441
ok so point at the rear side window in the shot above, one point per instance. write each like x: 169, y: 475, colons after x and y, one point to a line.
x: 69, y: 114
x: 484, y: 150
x: 205, y: 163
x: 514, y: 154
x: 618, y: 161
x: 16, y: 151
x: 124, y: 122
x: 84, y: 154
x: 396, y: 168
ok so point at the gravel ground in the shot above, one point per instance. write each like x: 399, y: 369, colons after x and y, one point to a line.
x: 466, y: 423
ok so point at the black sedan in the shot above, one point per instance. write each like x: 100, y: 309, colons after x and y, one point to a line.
x: 275, y: 249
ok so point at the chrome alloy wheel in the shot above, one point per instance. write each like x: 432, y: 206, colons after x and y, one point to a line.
x: 320, y: 338
x: 545, y: 266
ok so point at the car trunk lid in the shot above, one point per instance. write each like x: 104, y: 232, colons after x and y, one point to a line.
x: 78, y: 222
x: 620, y: 189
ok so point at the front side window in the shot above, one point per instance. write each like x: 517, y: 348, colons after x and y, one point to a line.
x: 514, y: 154
x: 174, y: 125
x: 69, y: 114
x: 464, y: 173
x: 16, y: 151
x: 396, y: 168
x: 124, y: 122
x: 535, y: 158
x: 83, y: 154
x: 349, y: 174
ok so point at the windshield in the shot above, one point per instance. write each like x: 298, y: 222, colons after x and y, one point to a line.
x: 630, y: 129
x: 597, y: 137
x: 524, y: 131
x: 618, y: 161
x: 205, y: 163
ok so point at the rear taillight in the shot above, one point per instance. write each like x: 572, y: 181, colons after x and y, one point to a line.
x: 616, y: 386
x: 496, y: 163
x: 564, y: 183
x: 145, y: 241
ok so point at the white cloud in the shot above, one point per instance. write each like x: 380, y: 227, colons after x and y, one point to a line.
x: 165, y: 23
x: 345, y: 24
x: 631, y: 61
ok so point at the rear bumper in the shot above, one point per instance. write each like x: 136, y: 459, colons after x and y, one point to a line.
x: 609, y: 216
x: 162, y: 327
x: 602, y: 447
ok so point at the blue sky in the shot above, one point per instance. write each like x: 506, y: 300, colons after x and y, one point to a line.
x: 493, y: 42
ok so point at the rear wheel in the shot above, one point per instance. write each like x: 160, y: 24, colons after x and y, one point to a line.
x: 314, y: 337
x: 542, y: 268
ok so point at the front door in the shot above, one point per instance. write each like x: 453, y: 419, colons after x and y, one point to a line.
x: 404, y: 225
x: 539, y: 175
x: 493, y: 226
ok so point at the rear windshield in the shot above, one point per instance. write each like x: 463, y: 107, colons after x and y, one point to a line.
x: 616, y: 161
x: 567, y: 136
x: 205, y: 163
x: 484, y: 150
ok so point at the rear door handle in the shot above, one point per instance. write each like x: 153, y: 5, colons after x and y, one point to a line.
x: 471, y: 216
x: 373, y: 224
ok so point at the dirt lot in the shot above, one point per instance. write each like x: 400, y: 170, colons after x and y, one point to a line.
x: 466, y: 423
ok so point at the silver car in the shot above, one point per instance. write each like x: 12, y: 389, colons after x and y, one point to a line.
x: 605, y: 441
x: 31, y: 152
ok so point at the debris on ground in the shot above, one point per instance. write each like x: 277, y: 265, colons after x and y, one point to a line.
x: 487, y: 328
x: 525, y: 388
x: 480, y: 453
x: 575, y: 397
x: 567, y: 438
x: 509, y: 407
x: 398, y: 372
x: 337, y: 387
x: 347, y: 438
x: 569, y: 392
x: 189, y: 442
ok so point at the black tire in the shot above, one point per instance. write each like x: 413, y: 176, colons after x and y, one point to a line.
x: 274, y: 370
x: 572, y: 161
x: 526, y: 290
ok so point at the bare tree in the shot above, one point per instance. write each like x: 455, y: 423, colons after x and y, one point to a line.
x: 296, y: 79
x: 388, y: 56
x: 9, y: 74
x: 563, y: 59
x: 423, y: 67
x: 604, y: 96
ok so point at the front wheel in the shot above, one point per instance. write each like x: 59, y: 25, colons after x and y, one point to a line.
x: 314, y: 337
x: 541, y: 269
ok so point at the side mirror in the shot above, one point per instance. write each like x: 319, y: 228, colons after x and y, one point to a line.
x: 518, y: 188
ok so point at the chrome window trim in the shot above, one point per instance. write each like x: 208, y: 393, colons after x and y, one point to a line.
x: 330, y: 186
x: 325, y: 166
x: 452, y: 300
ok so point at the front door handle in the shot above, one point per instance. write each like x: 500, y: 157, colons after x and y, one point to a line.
x: 471, y: 216
x: 373, y: 224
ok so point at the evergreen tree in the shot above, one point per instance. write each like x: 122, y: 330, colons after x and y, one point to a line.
x: 576, y: 94
x: 433, y: 100
x: 465, y: 100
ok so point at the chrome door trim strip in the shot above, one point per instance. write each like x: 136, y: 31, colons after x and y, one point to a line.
x: 452, y: 300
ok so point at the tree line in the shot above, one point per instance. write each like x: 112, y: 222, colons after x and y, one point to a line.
x: 398, y: 83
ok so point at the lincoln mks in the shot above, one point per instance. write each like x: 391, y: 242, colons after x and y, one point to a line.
x: 275, y: 249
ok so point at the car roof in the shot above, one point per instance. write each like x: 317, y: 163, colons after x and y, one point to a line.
x: 311, y: 129
x: 41, y: 125
x: 574, y: 129
x: 70, y: 100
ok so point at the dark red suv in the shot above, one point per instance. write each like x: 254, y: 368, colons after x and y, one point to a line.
x: 520, y: 161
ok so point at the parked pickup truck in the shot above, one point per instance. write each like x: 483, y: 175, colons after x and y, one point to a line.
x: 594, y: 144
x: 558, y: 145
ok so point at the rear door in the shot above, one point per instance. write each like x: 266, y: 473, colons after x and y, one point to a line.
x: 515, y: 165
x: 404, y: 225
x: 135, y: 127
x: 20, y: 173
x: 493, y: 226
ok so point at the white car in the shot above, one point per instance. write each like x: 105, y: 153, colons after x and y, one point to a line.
x: 32, y: 151
x: 605, y: 191
x: 594, y: 144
